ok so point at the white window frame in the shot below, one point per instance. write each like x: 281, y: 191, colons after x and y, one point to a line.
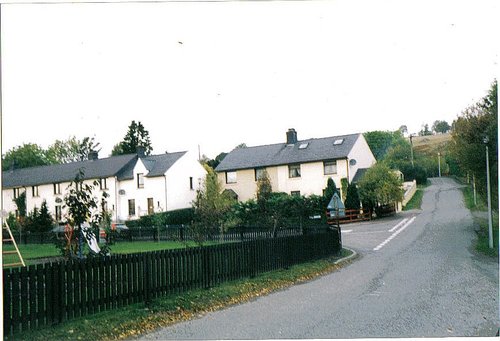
x: 294, y: 171
x: 231, y: 177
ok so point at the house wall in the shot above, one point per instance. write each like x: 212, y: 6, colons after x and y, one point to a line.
x: 153, y: 188
x: 312, y: 179
x: 178, y: 189
x: 363, y: 155
x: 46, y: 192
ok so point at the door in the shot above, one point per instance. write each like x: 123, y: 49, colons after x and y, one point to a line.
x: 151, y: 206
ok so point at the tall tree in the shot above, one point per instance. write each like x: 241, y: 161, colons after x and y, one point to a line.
x: 425, y: 131
x: 136, y: 136
x: 72, y: 149
x: 379, y: 186
x: 210, y: 207
x: 469, y: 130
x: 441, y: 127
x: 352, y: 200
x: 27, y: 155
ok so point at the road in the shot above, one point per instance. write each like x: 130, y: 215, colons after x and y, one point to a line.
x: 417, y: 276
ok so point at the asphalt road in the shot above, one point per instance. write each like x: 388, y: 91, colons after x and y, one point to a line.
x: 417, y: 275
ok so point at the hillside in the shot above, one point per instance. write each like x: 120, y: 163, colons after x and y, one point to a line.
x: 432, y: 144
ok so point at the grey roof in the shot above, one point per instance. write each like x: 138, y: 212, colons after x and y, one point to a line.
x: 120, y: 166
x: 282, y: 154
x: 359, y: 174
x: 157, y: 165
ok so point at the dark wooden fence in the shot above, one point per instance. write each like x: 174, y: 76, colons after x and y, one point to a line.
x: 51, y: 293
x: 183, y: 233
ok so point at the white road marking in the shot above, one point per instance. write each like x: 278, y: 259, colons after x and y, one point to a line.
x: 346, y: 231
x: 381, y: 245
x: 399, y: 225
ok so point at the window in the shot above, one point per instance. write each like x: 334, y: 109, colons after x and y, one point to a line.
x: 103, y: 184
x: 304, y: 145
x: 58, y: 213
x: 57, y: 188
x: 131, y: 207
x: 338, y: 142
x: 191, y: 183
x: 330, y: 167
x: 294, y: 171
x: 259, y: 173
x: 16, y: 193
x: 231, y: 177
x: 34, y: 191
x: 140, y: 180
x: 295, y: 193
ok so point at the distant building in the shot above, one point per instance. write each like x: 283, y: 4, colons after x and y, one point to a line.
x: 300, y: 167
x: 137, y: 184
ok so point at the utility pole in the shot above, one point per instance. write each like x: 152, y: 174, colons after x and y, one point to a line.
x: 439, y: 163
x: 490, y: 223
x: 411, y: 149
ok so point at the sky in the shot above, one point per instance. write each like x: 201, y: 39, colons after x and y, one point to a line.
x: 218, y: 74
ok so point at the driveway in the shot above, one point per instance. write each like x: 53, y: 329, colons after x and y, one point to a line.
x: 415, y: 278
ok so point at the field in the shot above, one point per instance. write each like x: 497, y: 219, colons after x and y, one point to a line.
x: 432, y: 144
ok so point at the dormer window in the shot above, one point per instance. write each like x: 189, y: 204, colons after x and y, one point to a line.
x: 140, y: 180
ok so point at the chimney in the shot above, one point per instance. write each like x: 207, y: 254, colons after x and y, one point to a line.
x: 291, y: 136
x: 93, y: 155
x: 140, y: 151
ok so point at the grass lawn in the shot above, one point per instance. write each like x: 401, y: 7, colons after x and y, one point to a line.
x: 482, y: 244
x: 33, y: 252
x: 416, y: 201
x: 133, y: 320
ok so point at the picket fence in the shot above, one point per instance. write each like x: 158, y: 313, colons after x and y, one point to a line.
x: 48, y: 294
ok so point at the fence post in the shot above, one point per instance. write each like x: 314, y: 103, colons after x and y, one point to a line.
x: 147, y: 278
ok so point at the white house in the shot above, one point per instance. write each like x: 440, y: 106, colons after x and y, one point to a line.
x: 299, y: 167
x: 136, y: 184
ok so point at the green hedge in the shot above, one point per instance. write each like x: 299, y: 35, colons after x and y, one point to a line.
x: 176, y: 217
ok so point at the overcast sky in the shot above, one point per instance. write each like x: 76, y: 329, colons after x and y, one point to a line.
x: 217, y: 74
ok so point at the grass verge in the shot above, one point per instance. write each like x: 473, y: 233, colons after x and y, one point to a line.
x: 138, y: 319
x: 32, y: 253
x: 482, y: 242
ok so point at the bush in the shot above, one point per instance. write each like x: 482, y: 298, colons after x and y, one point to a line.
x: 182, y: 216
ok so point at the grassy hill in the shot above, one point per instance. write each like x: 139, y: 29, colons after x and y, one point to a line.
x: 432, y: 144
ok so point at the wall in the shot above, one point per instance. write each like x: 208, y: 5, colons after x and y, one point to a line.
x: 46, y: 192
x: 362, y: 153
x: 312, y: 179
x: 179, y: 193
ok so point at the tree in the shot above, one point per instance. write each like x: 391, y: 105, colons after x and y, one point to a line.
x: 328, y: 192
x: 425, y: 131
x: 27, y: 155
x: 441, y: 127
x: 210, y: 207
x: 379, y: 186
x: 136, y: 136
x: 469, y: 130
x: 215, y: 162
x: 72, y: 150
x: 352, y: 201
x: 403, y: 130
x: 380, y: 142
x: 39, y: 220
x: 81, y: 204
